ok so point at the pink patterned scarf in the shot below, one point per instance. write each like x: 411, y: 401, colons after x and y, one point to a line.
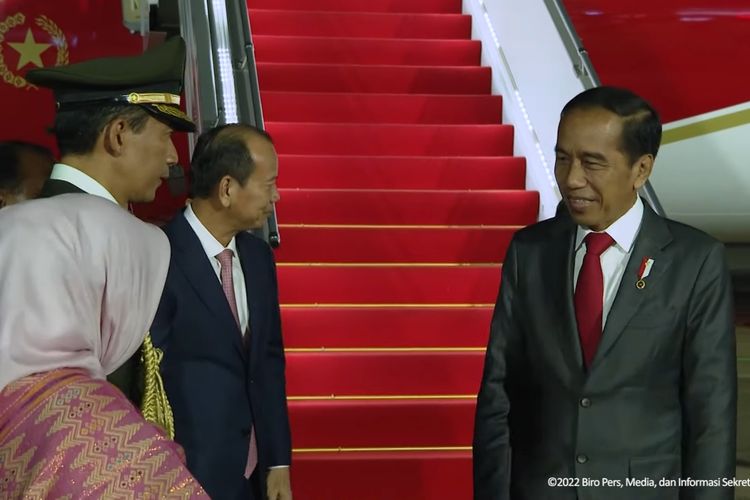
x: 66, y: 435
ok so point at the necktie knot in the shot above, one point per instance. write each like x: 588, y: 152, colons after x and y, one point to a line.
x: 225, y: 257
x: 598, y: 243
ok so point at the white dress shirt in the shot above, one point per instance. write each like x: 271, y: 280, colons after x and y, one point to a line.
x: 213, y: 248
x: 84, y: 182
x: 615, y: 258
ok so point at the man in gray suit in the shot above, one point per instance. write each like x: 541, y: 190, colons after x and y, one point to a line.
x: 611, y: 369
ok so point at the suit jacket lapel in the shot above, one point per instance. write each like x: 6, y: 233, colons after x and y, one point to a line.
x: 53, y: 187
x: 191, y: 258
x: 254, y: 296
x: 653, y: 236
x: 558, y: 261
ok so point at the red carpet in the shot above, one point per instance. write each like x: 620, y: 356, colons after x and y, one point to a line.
x: 392, y: 140
x: 402, y: 6
x: 353, y: 327
x: 399, y: 197
x: 375, y: 244
x: 377, y: 373
x: 380, y: 423
x: 390, y: 285
x: 411, y: 207
x: 374, y: 79
x: 381, y: 108
x: 406, y: 172
x: 360, y: 24
x: 383, y: 475
x: 295, y: 49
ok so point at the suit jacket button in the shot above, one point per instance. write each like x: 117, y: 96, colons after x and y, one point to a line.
x: 585, y: 402
x: 582, y: 459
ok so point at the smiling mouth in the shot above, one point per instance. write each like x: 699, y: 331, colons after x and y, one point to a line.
x: 579, y: 204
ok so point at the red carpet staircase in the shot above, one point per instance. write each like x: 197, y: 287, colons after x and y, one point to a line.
x: 399, y: 197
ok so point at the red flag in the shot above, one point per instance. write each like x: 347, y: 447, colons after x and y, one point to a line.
x: 41, y: 33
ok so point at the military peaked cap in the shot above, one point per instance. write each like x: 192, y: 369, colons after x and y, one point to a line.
x: 152, y: 80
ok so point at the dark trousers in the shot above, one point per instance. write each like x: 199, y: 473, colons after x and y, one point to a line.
x: 252, y: 487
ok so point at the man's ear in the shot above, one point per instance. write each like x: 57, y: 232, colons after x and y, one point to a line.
x: 643, y: 167
x: 225, y: 191
x: 113, y: 136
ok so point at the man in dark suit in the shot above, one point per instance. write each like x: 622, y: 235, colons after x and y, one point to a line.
x: 113, y: 126
x: 219, y: 322
x: 612, y: 350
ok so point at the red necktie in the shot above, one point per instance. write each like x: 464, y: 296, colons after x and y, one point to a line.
x: 589, y: 295
x: 227, y: 283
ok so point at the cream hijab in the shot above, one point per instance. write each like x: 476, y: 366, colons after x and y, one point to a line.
x: 80, y: 282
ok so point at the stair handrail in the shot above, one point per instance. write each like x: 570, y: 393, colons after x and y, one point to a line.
x: 584, y: 68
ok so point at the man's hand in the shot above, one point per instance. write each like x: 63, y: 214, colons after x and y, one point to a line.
x: 278, y: 484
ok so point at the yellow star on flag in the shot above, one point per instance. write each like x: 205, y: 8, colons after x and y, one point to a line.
x: 30, y: 51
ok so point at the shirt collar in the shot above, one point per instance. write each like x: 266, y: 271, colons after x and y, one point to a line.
x: 210, y: 245
x: 623, y: 230
x: 63, y: 172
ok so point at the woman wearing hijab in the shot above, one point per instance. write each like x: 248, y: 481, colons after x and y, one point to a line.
x: 81, y: 281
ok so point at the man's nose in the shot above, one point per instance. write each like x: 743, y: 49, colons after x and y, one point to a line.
x: 576, y: 176
x: 172, y: 153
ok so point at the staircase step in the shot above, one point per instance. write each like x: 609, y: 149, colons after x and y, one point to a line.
x: 406, y: 172
x: 392, y: 140
x: 381, y: 108
x: 331, y: 206
x: 375, y: 79
x: 331, y: 284
x: 382, y: 475
x: 422, y: 6
x: 371, y: 51
x: 402, y: 245
x: 360, y: 24
x: 337, y: 423
x: 335, y: 327
x: 379, y: 373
